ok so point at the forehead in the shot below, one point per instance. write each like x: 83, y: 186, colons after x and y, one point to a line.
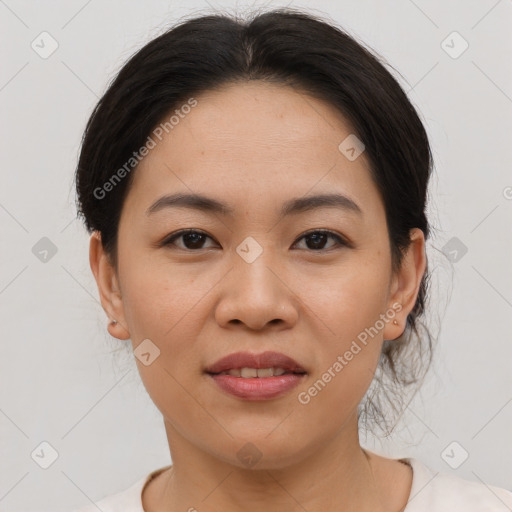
x: 258, y: 117
x: 255, y: 139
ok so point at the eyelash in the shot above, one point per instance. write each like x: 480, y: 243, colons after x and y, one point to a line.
x: 340, y: 241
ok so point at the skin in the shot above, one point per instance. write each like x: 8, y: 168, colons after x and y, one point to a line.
x: 253, y: 146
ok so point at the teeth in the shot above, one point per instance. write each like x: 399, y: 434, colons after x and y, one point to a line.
x: 249, y: 373
x: 264, y: 372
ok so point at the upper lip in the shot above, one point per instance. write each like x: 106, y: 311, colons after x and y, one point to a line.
x: 248, y: 360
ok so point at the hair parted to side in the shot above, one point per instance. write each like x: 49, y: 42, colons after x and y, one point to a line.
x: 294, y: 48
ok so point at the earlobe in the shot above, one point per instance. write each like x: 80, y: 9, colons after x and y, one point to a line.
x: 108, y: 288
x: 406, y: 283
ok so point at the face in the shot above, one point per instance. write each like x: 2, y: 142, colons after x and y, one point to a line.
x: 306, y: 283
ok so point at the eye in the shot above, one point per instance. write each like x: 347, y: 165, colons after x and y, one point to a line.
x: 318, y: 238
x: 192, y: 239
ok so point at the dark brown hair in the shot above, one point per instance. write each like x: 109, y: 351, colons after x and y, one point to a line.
x: 294, y: 48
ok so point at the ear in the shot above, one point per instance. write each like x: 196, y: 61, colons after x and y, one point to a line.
x: 108, y: 287
x: 405, y: 284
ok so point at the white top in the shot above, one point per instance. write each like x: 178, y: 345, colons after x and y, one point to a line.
x: 430, y: 492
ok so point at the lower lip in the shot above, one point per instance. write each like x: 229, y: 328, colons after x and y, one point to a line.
x: 258, y: 388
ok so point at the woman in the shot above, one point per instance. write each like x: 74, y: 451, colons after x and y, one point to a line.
x: 256, y: 196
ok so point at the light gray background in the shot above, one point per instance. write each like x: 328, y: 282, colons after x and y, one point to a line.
x: 66, y: 382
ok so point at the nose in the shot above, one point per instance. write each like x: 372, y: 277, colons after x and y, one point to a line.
x: 256, y: 295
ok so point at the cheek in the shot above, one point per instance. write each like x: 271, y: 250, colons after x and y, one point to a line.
x: 349, y: 354
x: 348, y: 306
x: 346, y: 299
x: 158, y: 294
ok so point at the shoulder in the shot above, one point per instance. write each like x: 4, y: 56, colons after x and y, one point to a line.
x: 128, y: 500
x: 436, y: 491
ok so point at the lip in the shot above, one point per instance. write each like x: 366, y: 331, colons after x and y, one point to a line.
x: 264, y: 388
x: 267, y: 359
x: 257, y: 388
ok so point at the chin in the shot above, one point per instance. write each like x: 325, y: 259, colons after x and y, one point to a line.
x: 262, y: 451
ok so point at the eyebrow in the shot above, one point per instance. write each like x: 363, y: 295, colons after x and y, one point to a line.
x: 290, y: 207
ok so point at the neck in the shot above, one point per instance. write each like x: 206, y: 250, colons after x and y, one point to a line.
x: 338, y: 475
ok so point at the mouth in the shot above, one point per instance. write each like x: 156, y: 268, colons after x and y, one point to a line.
x: 249, y: 366
x: 254, y: 377
x: 251, y: 373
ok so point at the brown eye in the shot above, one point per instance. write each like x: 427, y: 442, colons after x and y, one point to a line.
x: 317, y: 240
x: 191, y: 239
